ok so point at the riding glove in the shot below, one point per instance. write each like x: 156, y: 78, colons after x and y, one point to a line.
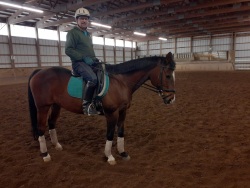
x: 88, y: 60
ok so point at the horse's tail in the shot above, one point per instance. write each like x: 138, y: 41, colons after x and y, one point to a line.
x: 32, y: 108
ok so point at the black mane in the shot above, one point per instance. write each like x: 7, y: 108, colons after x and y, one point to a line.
x: 134, y: 65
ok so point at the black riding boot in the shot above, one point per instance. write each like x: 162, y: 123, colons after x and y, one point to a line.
x: 87, y: 96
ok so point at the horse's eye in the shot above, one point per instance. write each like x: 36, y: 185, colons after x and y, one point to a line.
x: 168, y: 76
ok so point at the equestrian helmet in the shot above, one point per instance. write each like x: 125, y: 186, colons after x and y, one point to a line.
x: 82, y: 12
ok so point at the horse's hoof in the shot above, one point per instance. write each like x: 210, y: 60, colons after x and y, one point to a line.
x: 112, y: 162
x: 125, y: 156
x: 58, y: 147
x: 47, y: 158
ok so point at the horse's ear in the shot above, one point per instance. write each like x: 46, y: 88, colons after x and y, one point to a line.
x: 170, y: 60
x: 169, y: 56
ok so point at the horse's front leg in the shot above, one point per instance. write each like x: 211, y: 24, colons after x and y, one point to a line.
x: 112, y: 119
x: 120, y: 138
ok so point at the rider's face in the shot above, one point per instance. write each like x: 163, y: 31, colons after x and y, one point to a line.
x: 83, y: 22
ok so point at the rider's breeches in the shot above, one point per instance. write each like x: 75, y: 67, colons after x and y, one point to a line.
x: 85, y: 71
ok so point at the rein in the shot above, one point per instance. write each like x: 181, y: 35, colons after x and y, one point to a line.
x: 151, y: 88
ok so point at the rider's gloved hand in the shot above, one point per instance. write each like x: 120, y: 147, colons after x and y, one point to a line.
x: 88, y: 60
x: 96, y: 60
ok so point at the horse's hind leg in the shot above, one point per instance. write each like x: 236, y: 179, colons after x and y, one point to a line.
x: 42, y: 113
x: 55, y: 112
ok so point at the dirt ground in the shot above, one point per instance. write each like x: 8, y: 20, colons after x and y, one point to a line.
x: 201, y: 141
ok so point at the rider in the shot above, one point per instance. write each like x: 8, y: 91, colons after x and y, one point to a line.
x: 79, y: 48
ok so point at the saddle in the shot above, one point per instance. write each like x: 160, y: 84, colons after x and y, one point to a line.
x: 76, y: 84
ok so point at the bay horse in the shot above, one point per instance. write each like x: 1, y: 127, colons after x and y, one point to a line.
x: 47, y: 91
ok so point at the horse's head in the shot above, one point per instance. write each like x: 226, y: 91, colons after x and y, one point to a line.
x: 163, y: 78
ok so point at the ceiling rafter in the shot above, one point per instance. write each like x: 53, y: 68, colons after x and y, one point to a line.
x: 167, y: 18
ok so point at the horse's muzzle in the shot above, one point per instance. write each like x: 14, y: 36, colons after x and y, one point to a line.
x: 168, y: 97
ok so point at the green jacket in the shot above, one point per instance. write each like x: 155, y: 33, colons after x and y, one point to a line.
x: 79, y: 45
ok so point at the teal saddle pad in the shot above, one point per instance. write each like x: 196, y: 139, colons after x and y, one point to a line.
x: 75, y: 87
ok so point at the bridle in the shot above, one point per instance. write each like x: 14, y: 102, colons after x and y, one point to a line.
x: 159, y: 89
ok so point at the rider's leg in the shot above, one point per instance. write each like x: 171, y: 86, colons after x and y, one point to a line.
x: 87, y: 97
x: 88, y: 90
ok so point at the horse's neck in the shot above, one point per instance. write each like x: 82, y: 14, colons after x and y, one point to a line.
x: 135, y: 80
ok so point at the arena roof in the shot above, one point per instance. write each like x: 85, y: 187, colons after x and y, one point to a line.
x: 156, y: 18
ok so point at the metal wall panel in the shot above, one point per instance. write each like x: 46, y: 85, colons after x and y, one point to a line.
x: 24, y: 49
x: 242, y: 54
x: 5, y: 61
x: 154, y: 42
x: 154, y: 52
x: 127, y: 58
x: 63, y: 50
x: 142, y: 53
x: 221, y: 48
x: 47, y: 42
x: 50, y: 64
x: 201, y: 49
x: 221, y: 41
x: 25, y: 59
x: 119, y: 60
x: 66, y: 59
x: 183, y: 42
x: 201, y: 42
x: 128, y: 49
x: 119, y: 53
x: 154, y: 46
x: 183, y: 50
x: 242, y: 39
x: 66, y: 64
x: 3, y: 39
x: 47, y: 50
x: 23, y: 40
x: 47, y: 59
x: 25, y: 65
x: 168, y: 45
x: 99, y: 53
x: 119, y: 48
x: 110, y: 60
x: 128, y: 54
x: 98, y: 46
x: 166, y: 51
x: 4, y: 49
x: 109, y: 53
x: 109, y: 47
x: 243, y: 46
x: 63, y: 43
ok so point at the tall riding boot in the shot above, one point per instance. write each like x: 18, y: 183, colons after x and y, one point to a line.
x: 87, y: 96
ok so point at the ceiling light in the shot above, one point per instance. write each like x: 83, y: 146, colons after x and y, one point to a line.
x: 141, y: 34
x: 20, y: 7
x: 101, y: 25
x: 161, y: 38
